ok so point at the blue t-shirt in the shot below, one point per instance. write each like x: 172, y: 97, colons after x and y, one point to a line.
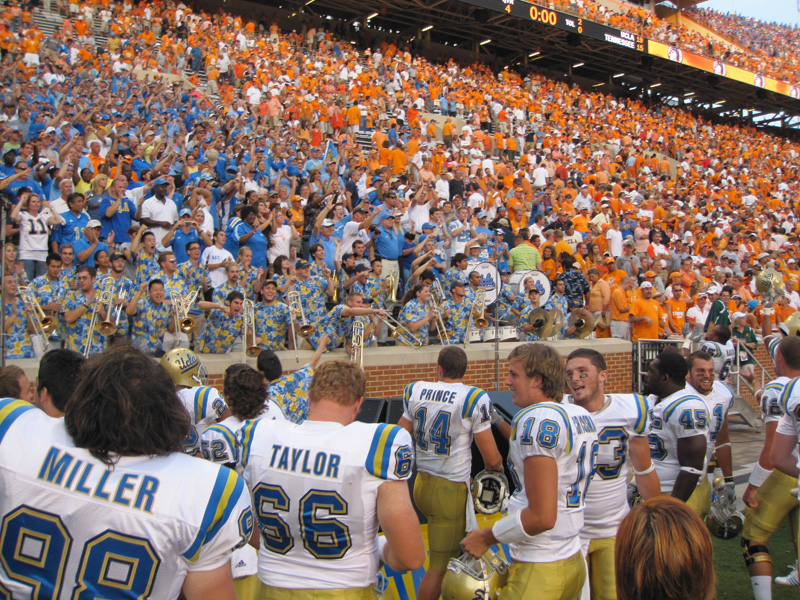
x: 120, y: 221
x: 179, y: 241
x: 81, y: 245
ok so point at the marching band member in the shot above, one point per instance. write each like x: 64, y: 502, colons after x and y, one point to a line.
x: 534, y: 295
x: 51, y: 291
x: 78, y: 309
x: 417, y: 314
x: 143, y: 255
x: 272, y: 319
x: 123, y: 291
x: 337, y: 326
x: 313, y: 290
x: 18, y: 325
x: 288, y: 393
x: 153, y: 317
x: 231, y: 284
x: 456, y: 312
x: 223, y: 330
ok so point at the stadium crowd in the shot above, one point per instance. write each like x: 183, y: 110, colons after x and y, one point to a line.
x: 143, y: 207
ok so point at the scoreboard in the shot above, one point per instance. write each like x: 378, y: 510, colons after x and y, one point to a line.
x: 566, y: 22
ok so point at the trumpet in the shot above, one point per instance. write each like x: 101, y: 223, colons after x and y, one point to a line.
x: 401, y: 332
x: 42, y: 324
x: 297, y: 308
x: 249, y: 326
x: 357, y: 350
x: 478, y: 321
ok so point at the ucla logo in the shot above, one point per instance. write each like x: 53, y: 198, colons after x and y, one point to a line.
x: 487, y: 282
x: 480, y: 594
x: 539, y: 287
x: 186, y: 363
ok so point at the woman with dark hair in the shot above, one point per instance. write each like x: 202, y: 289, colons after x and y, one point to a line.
x: 417, y: 315
x: 282, y: 273
x: 549, y: 266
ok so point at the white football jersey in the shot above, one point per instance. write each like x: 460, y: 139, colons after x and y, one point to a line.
x: 790, y: 405
x: 205, y: 405
x: 772, y: 347
x: 679, y: 415
x: 315, y: 488
x: 445, y: 416
x: 719, y: 402
x: 723, y: 355
x: 73, y: 526
x: 623, y: 416
x: 771, y: 411
x: 566, y: 433
x: 219, y: 443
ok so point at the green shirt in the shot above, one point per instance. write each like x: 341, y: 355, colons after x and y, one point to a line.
x: 524, y: 257
x: 748, y: 336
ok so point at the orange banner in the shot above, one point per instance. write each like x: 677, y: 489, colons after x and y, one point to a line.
x: 719, y: 68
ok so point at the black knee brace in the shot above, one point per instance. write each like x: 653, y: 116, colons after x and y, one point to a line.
x: 754, y: 552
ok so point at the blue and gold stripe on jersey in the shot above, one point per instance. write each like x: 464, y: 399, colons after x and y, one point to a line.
x: 10, y: 411
x: 470, y: 402
x: 227, y: 489
x: 772, y: 347
x: 380, y: 450
x: 227, y: 434
x: 788, y: 392
x: 551, y: 405
x: 641, y: 413
x: 246, y: 434
x: 673, y: 406
x: 201, y: 396
x: 407, y: 395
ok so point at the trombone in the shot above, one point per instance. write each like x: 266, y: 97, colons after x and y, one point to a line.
x: 297, y: 308
x: 401, y: 332
x: 478, y: 321
x: 392, y: 291
x: 42, y: 324
x: 249, y: 326
x: 357, y: 344
x: 105, y: 327
x: 437, y: 297
x: 335, y: 281
x: 182, y: 305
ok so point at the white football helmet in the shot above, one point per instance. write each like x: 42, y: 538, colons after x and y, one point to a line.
x: 723, y: 521
x: 489, y: 492
x: 468, y: 578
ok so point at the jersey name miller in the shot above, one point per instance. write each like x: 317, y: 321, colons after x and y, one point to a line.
x: 303, y: 461
x: 130, y: 489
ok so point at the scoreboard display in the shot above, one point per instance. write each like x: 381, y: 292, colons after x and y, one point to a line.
x: 566, y: 22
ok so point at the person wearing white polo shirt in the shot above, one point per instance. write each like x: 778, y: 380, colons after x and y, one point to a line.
x: 158, y: 212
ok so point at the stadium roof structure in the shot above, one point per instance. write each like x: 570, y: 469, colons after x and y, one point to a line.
x: 519, y: 34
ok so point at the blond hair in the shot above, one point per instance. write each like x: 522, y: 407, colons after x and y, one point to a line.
x: 542, y: 360
x: 338, y: 381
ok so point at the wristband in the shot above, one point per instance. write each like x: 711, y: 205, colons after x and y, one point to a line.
x: 649, y: 469
x: 728, y: 444
x: 729, y: 481
x: 766, y: 312
x: 759, y: 476
x: 509, y: 530
x: 382, y: 543
x: 692, y: 470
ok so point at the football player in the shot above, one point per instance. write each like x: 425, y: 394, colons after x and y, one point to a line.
x: 551, y: 460
x: 443, y: 417
x: 133, y: 515
x: 203, y: 402
x: 679, y: 421
x: 719, y: 399
x: 783, y: 454
x: 623, y: 424
x: 719, y: 345
x: 322, y: 488
x: 768, y: 496
x: 59, y: 372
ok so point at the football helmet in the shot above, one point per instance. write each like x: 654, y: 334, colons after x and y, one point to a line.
x: 769, y: 283
x: 184, y: 367
x: 489, y: 491
x: 791, y: 326
x: 723, y: 521
x: 468, y: 578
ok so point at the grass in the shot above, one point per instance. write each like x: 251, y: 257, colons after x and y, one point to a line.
x: 733, y: 582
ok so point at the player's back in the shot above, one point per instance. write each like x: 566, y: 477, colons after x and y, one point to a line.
x: 623, y: 417
x: 445, y: 416
x: 679, y: 415
x: 315, y: 486
x: 204, y: 404
x: 71, y: 524
x: 566, y: 433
